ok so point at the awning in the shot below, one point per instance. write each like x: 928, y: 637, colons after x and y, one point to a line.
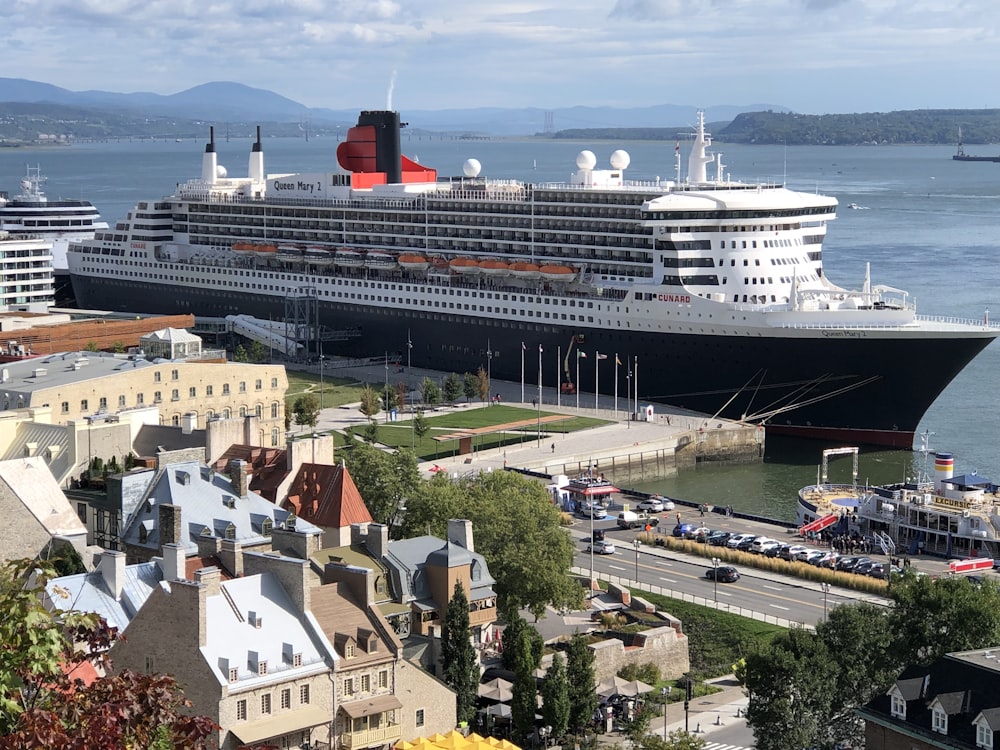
x: 289, y: 721
x: 370, y: 706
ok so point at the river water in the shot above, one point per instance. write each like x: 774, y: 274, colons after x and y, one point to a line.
x: 924, y: 222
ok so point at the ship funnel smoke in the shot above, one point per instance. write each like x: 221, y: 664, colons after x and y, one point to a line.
x: 392, y: 86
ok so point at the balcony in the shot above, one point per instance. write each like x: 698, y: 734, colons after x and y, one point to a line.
x: 389, y: 734
x: 372, y: 722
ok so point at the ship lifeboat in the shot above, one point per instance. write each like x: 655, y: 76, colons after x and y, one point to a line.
x: 318, y: 256
x: 345, y: 257
x: 494, y: 267
x: 412, y: 262
x: 289, y: 252
x: 524, y: 270
x: 243, y: 248
x: 464, y: 265
x: 557, y: 273
x: 379, y: 259
x: 264, y: 249
x: 439, y: 265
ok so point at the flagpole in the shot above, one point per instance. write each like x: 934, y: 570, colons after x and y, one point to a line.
x: 597, y: 360
x: 616, y: 385
x: 538, y: 431
x: 558, y: 379
x: 522, y: 372
x: 636, y: 391
x: 577, y: 378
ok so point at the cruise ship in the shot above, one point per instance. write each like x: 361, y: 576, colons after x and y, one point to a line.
x: 31, y: 214
x: 710, y: 292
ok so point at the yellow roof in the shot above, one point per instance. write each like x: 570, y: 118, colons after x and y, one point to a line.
x: 455, y: 740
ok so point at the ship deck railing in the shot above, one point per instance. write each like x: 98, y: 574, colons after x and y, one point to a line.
x: 936, y: 319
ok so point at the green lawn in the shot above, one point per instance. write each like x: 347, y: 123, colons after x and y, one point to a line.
x: 336, y: 391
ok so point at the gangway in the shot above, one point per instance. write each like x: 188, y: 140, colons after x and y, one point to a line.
x: 264, y: 332
x: 819, y: 524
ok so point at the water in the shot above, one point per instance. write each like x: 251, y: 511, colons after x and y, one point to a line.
x: 929, y: 225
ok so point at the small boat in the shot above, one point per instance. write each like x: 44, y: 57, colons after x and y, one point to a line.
x: 345, y: 257
x: 318, y: 256
x: 412, y: 262
x: 494, y: 267
x: 289, y: 252
x: 557, y: 273
x: 525, y: 270
x: 264, y: 249
x: 244, y: 248
x: 464, y: 266
x: 379, y: 259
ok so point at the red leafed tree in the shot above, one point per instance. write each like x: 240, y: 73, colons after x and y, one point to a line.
x: 44, y: 702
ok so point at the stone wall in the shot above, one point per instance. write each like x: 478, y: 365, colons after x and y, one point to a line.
x: 662, y: 646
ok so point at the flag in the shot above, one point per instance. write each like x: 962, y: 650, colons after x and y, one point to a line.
x: 602, y: 356
x: 581, y: 354
x: 523, y: 347
x: 617, y: 361
x: 540, y: 350
x: 677, y: 146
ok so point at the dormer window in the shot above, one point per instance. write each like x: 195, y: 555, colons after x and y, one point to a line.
x: 372, y: 645
x: 234, y: 674
x: 939, y: 720
x: 898, y: 707
x: 349, y: 651
x: 266, y: 527
x: 984, y: 735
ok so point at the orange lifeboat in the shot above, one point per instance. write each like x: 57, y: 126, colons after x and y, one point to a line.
x: 413, y: 262
x: 243, y: 248
x: 557, y: 273
x: 494, y: 267
x: 524, y: 270
x: 464, y: 265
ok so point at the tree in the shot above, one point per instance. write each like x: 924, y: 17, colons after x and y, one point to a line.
x: 257, y: 352
x: 370, y: 404
x: 452, y: 388
x: 240, y: 354
x: 518, y: 532
x: 470, y: 386
x: 524, y: 701
x: 511, y: 637
x: 118, y: 347
x: 385, y: 480
x: 389, y: 399
x: 555, y: 697
x: 458, y: 657
x: 420, y: 425
x: 305, y: 409
x: 430, y: 394
x: 43, y: 703
x: 791, y: 686
x: 402, y: 394
x: 580, y: 676
x: 92, y: 347
x: 370, y: 434
x: 482, y: 385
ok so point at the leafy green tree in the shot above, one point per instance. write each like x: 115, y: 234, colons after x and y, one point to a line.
x: 522, y: 706
x: 420, y: 425
x: 370, y: 403
x: 257, y: 352
x: 402, y: 395
x: 385, y: 480
x: 470, y: 386
x: 458, y: 657
x: 390, y: 398
x: 791, y: 687
x: 452, y: 388
x: 305, y: 410
x: 118, y: 347
x: 517, y: 530
x: 430, y: 394
x: 482, y: 384
x: 932, y: 617
x: 555, y: 697
x: 637, y: 726
x: 240, y: 354
x: 510, y: 638
x: 370, y: 434
x: 43, y: 703
x: 580, y: 676
x: 92, y: 347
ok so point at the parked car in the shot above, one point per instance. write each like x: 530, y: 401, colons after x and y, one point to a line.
x: 588, y: 508
x: 790, y: 551
x: 718, y: 538
x: 813, y: 557
x: 746, y: 544
x: 848, y: 562
x: 698, y: 533
x: 881, y: 570
x: 652, y: 504
x: 829, y: 560
x: 723, y: 574
x: 603, y: 547
x: 862, y: 566
x: 734, y: 541
x: 682, y: 530
x: 776, y: 550
x: 761, y: 544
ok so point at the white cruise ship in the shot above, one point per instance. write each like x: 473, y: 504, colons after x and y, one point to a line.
x: 709, y: 292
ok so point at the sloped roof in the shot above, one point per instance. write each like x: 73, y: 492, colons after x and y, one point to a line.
x: 88, y: 592
x: 407, y: 559
x: 43, y: 436
x: 173, y: 335
x: 326, y: 496
x: 340, y: 618
x: 33, y: 484
x: 267, y: 466
x: 152, y: 438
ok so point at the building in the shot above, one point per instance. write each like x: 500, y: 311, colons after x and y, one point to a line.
x: 170, y: 343
x: 25, y: 273
x: 81, y: 385
x: 326, y: 496
x: 37, y: 517
x: 952, y: 703
x: 51, y: 332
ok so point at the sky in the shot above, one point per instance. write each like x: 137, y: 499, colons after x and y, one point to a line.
x: 812, y: 56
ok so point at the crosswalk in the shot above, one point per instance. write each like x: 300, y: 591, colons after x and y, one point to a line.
x: 720, y: 746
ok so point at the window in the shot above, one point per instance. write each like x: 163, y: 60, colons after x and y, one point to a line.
x: 898, y: 707
x: 81, y: 511
x: 121, y: 400
x: 84, y: 405
x: 65, y: 407
x: 156, y: 377
x: 383, y: 678
x: 150, y: 664
x: 175, y: 420
x: 939, y: 721
x: 209, y: 390
x: 140, y: 399
x: 984, y: 735
x: 258, y: 384
x: 175, y: 395
x: 349, y: 651
x: 243, y: 411
x: 103, y: 403
x: 420, y: 717
x: 265, y: 703
x: 349, y: 686
x: 286, y: 698
x: 174, y: 375
x: 274, y: 436
x: 274, y: 410
x: 192, y: 392
x: 243, y: 386
x: 225, y: 389
x: 303, y: 693
x: 366, y: 683
x: 274, y: 382
x: 234, y: 674
x: 241, y: 709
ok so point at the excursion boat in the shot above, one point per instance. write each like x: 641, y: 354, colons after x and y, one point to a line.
x: 714, y: 288
x: 947, y: 515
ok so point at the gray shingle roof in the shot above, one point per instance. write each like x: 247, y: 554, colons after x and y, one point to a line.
x: 87, y: 592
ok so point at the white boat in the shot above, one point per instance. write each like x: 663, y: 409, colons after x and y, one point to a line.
x: 346, y: 257
x: 318, y: 256
x: 379, y: 260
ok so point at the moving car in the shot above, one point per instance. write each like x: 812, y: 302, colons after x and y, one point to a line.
x: 723, y: 574
x: 603, y: 547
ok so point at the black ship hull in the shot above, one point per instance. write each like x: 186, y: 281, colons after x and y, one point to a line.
x: 861, y: 388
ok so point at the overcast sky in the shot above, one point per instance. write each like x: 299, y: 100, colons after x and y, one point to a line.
x: 813, y: 56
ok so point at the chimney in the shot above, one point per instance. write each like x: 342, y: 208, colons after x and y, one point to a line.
x: 239, y: 475
x: 112, y: 568
x: 188, y: 606
x: 359, y: 533
x: 358, y: 581
x: 295, y: 575
x: 460, y: 533
x: 256, y: 170
x: 210, y: 161
x: 174, y: 563
x: 231, y: 556
x: 189, y: 422
x: 171, y: 530
x: 211, y: 578
x: 208, y: 545
x: 377, y: 541
x: 299, y: 544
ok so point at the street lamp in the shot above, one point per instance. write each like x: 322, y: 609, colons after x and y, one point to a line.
x: 826, y: 590
x: 665, y: 692
x: 543, y: 734
x: 715, y: 577
x: 321, y: 360
x: 636, y: 543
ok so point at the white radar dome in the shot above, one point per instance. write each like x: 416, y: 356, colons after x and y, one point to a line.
x: 586, y: 160
x: 471, y: 168
x: 220, y: 171
x: 620, y: 159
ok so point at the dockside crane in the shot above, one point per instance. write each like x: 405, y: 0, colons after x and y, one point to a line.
x: 568, y: 387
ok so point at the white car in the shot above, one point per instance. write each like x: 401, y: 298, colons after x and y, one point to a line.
x: 603, y: 547
x: 734, y: 541
x: 653, y: 504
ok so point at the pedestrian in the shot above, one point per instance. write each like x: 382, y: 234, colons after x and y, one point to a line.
x: 701, y: 510
x: 678, y: 519
x: 553, y: 447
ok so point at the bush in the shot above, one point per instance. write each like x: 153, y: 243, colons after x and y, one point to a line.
x: 648, y: 673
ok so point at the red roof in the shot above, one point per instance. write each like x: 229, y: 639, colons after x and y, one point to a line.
x: 326, y: 496
x: 267, y: 467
